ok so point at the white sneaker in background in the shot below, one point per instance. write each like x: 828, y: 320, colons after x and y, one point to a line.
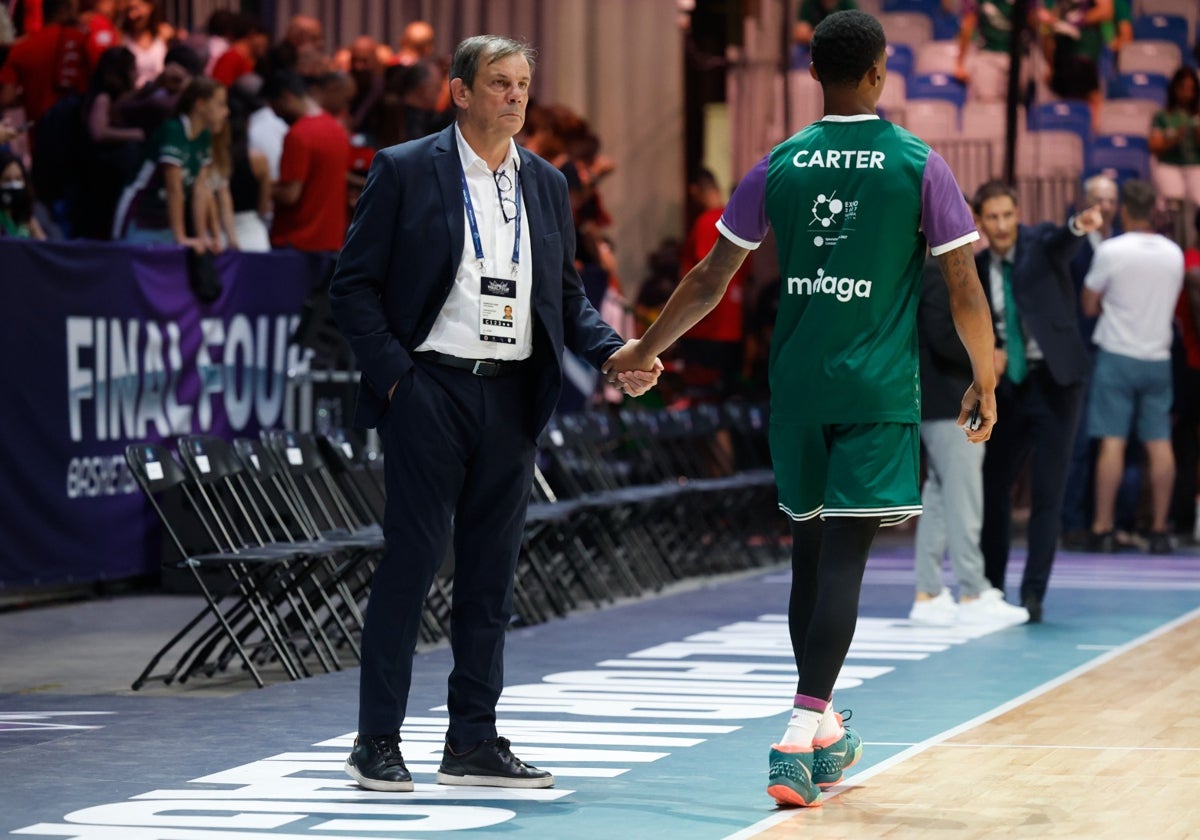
x: 938, y: 612
x: 991, y: 608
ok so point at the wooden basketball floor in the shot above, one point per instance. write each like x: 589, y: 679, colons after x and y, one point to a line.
x: 1111, y: 749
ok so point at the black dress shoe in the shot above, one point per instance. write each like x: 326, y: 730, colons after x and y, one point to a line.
x: 490, y: 763
x: 376, y: 764
x: 1034, y: 606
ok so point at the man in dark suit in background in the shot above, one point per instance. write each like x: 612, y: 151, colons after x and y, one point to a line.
x: 1042, y: 366
x: 450, y: 230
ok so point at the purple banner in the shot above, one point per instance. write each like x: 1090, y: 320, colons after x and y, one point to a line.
x: 104, y: 345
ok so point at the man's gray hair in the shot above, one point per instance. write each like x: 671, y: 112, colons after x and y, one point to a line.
x: 481, y: 50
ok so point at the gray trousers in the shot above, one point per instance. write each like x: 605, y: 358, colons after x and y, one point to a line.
x: 953, y: 501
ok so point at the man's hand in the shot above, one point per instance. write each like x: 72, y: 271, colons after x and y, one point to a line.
x: 633, y: 371
x: 392, y: 390
x: 1089, y: 220
x: 986, y: 400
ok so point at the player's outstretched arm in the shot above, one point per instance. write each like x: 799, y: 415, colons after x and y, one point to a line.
x: 693, y: 298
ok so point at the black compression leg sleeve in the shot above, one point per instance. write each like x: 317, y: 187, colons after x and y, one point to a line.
x: 828, y: 561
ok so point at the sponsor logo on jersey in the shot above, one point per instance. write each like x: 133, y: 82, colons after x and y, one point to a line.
x: 832, y: 219
x: 838, y: 159
x: 843, y: 288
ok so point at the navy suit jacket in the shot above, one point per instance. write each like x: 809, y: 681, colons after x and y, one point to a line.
x: 403, y: 250
x: 1045, y: 297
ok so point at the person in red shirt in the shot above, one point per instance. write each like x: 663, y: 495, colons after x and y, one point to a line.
x: 712, y: 350
x: 44, y: 66
x: 97, y: 19
x: 311, y: 193
x: 249, y: 45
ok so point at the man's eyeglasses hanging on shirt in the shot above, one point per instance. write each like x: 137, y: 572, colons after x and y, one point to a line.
x: 504, y: 186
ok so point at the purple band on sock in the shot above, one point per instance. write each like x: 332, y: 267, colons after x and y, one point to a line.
x: 813, y: 704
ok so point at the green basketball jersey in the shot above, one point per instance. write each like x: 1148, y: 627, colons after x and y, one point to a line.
x: 852, y: 201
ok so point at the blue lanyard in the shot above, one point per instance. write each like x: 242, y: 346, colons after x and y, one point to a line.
x: 516, y: 255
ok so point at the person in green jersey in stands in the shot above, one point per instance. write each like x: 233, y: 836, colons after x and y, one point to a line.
x: 853, y: 201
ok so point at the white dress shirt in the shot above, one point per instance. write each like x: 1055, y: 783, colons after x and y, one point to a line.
x: 996, y: 279
x: 456, y: 329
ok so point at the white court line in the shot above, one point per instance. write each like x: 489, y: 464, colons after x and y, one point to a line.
x: 916, y: 749
x: 1032, y: 747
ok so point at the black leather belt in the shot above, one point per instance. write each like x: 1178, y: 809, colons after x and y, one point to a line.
x: 479, y: 367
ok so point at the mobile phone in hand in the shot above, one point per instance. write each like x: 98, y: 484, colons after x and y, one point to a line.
x: 973, y: 419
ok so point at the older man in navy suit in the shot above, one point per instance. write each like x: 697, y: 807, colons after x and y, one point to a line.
x: 452, y: 232
x: 1042, y: 366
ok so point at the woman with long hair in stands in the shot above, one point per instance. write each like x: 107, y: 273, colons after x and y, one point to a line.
x: 162, y: 205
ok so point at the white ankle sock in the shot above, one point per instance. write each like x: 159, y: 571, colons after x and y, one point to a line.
x: 830, y: 727
x: 801, y: 728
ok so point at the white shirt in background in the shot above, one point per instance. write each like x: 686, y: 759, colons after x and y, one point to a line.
x: 1140, y: 276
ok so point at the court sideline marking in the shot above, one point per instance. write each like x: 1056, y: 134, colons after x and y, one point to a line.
x: 888, y: 763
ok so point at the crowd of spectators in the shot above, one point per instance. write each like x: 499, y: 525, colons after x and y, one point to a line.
x: 114, y: 124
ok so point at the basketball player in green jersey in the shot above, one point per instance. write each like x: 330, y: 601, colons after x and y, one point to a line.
x: 853, y: 201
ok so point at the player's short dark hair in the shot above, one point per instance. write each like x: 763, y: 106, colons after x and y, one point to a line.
x: 1138, y: 198
x: 845, y: 45
x: 990, y: 190
x: 282, y: 82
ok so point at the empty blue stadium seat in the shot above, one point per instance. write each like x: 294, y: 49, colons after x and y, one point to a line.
x: 937, y: 86
x: 900, y: 60
x: 1151, y: 86
x: 1067, y: 115
x: 1125, y: 152
x: 1171, y: 28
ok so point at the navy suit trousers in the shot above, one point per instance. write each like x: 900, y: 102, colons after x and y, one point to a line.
x: 459, y: 461
x: 1037, y: 418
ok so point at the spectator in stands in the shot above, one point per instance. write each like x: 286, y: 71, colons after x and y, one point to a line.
x: 1099, y: 191
x: 219, y: 228
x: 812, y: 12
x: 985, y: 69
x: 1120, y: 31
x: 145, y: 32
x: 151, y: 106
x: 43, y: 67
x: 310, y: 195
x: 114, y: 150
x: 367, y: 104
x: 952, y: 496
x: 302, y: 49
x: 1133, y: 286
x: 459, y: 414
x: 161, y: 205
x: 249, y: 181
x: 416, y: 43
x: 16, y: 200
x: 334, y: 91
x: 218, y: 32
x: 712, y: 350
x: 1042, y: 365
x: 1076, y: 27
x: 96, y: 17
x: 1186, y: 436
x: 410, y: 103
x: 248, y: 46
x: 1175, y: 140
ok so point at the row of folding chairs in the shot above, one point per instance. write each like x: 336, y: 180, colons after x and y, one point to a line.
x: 281, y: 533
x: 279, y: 547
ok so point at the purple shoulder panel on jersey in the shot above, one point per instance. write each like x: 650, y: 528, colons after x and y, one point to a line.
x: 744, y: 220
x: 945, y: 216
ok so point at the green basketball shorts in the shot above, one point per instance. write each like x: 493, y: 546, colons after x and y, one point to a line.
x: 848, y: 469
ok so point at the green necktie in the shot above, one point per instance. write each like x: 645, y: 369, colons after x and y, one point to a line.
x: 1017, y: 368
